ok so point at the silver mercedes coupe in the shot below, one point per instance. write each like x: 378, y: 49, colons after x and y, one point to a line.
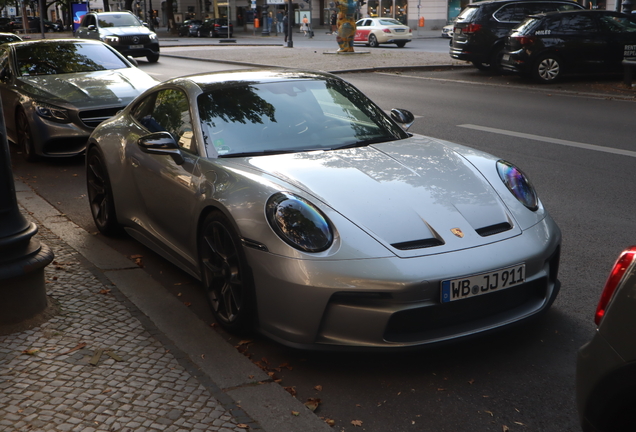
x: 312, y: 216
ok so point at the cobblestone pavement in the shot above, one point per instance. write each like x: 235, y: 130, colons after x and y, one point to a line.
x: 53, y: 378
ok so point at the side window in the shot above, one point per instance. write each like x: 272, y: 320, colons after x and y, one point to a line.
x: 578, y: 24
x: 4, y: 65
x: 168, y: 110
x: 512, y: 13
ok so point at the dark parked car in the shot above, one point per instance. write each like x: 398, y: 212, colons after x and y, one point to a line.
x: 546, y: 46
x: 606, y: 366
x: 54, y: 92
x: 34, y: 25
x: 189, y: 28
x: 215, y: 27
x: 123, y: 31
x: 481, y: 28
x: 5, y: 25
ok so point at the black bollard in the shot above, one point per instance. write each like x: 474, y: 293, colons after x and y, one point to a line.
x: 22, y: 258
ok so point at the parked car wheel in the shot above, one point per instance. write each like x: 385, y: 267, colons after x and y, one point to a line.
x: 199, y: 34
x: 481, y: 66
x: 495, y: 62
x: 547, y: 68
x: 400, y: 44
x: 373, y: 41
x: 100, y: 194
x: 211, y: 33
x: 152, y: 58
x: 225, y: 274
x: 25, y: 137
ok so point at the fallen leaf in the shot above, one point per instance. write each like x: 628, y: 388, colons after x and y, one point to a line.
x: 505, y: 428
x: 312, y: 403
x: 318, y: 388
x: 242, y: 426
x: 104, y: 291
x: 360, y: 406
x: 188, y: 304
x: 490, y: 412
x: 291, y: 390
x: 472, y: 381
x: 357, y: 423
x: 519, y: 423
x: 330, y: 422
x: 179, y: 295
x: 286, y: 365
x: 250, y: 376
x: 79, y: 346
x: 441, y: 389
x: 245, y: 342
x: 31, y: 351
x: 296, y: 413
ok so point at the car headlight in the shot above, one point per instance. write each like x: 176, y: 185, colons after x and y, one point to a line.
x: 153, y: 36
x: 111, y: 39
x: 518, y: 184
x: 51, y: 112
x: 298, y: 222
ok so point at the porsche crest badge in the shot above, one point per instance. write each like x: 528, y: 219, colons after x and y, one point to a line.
x: 457, y: 232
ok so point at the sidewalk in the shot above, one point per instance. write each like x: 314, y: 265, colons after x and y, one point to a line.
x: 119, y: 353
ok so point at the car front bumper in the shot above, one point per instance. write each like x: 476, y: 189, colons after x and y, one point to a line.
x: 148, y: 49
x: 395, y: 302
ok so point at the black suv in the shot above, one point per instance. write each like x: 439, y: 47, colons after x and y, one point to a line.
x: 121, y: 30
x: 546, y: 46
x: 481, y: 28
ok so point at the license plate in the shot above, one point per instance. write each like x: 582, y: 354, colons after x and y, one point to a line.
x: 483, y: 283
x: 506, y: 57
x: 400, y: 30
x: 136, y: 46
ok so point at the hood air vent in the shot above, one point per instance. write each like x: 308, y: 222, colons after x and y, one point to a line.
x: 418, y: 244
x: 494, y: 229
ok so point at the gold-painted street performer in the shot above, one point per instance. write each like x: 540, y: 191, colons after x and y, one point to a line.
x: 346, y: 24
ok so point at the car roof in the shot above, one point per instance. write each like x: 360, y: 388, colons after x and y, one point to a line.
x: 210, y: 80
x: 579, y: 12
x: 502, y: 2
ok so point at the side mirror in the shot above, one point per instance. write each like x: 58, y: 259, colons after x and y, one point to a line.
x: 132, y: 60
x: 402, y: 116
x: 161, y: 143
x: 91, y: 27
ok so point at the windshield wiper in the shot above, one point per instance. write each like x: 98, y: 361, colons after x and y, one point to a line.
x: 264, y: 153
x: 362, y: 143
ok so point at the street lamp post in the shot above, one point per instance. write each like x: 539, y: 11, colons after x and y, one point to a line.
x: 22, y: 258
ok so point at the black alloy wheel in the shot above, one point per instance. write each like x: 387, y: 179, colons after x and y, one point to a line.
x: 25, y: 137
x: 547, y: 69
x: 100, y: 194
x: 373, y: 41
x: 225, y: 274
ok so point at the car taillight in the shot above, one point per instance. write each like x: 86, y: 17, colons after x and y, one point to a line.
x: 525, y: 40
x: 471, y: 28
x: 386, y: 30
x: 620, y: 267
x: 217, y: 25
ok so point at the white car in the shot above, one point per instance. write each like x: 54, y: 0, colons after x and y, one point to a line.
x: 376, y: 31
x: 447, y: 30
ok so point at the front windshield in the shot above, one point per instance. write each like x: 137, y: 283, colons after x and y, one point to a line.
x: 118, y: 20
x: 62, y: 58
x: 291, y: 116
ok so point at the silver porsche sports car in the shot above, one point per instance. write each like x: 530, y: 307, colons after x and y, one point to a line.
x: 54, y: 92
x: 311, y: 215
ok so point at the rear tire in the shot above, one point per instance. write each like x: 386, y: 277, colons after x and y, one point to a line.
x: 100, y: 194
x: 547, y: 69
x: 373, y: 41
x: 400, y: 44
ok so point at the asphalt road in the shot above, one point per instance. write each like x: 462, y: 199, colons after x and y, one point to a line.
x: 522, y: 378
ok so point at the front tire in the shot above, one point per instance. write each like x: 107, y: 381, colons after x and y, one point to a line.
x: 547, y: 69
x: 100, y: 194
x: 373, y: 41
x: 25, y: 137
x: 152, y: 58
x: 225, y: 274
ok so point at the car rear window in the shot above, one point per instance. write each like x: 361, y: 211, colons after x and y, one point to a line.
x: 390, y: 22
x: 618, y: 24
x: 468, y: 14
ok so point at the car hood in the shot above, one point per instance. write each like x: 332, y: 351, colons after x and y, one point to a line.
x: 117, y: 87
x: 412, y: 195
